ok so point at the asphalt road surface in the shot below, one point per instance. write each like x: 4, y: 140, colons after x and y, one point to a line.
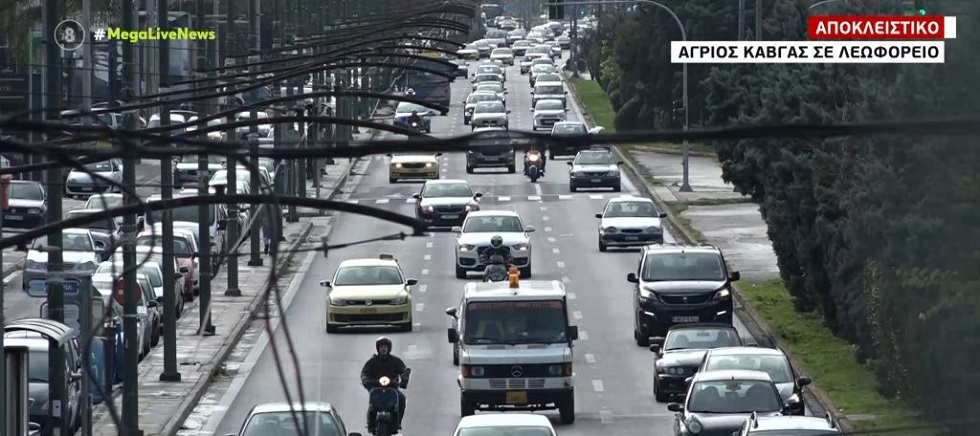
x: 16, y: 303
x: 613, y: 375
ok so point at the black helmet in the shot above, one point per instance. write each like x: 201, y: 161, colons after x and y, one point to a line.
x: 415, y: 112
x: 382, y: 341
x: 496, y: 241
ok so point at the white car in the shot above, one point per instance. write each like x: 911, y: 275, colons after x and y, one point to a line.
x: 528, y: 424
x: 475, y: 98
x: 490, y: 68
x: 473, y: 238
x: 490, y: 114
x: 105, y: 202
x: 469, y: 52
x: 548, y: 112
x: 505, y: 55
x: 79, y: 256
x: 495, y: 88
x: 630, y: 221
x: 81, y: 183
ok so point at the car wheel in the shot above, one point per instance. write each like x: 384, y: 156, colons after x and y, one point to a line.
x: 332, y: 329
x: 526, y: 271
x: 566, y: 410
x: 659, y: 396
x: 392, y: 180
x: 617, y: 188
x: 571, y: 187
x: 641, y: 339
x: 466, y: 408
x: 469, y: 170
x: 511, y: 169
x: 460, y: 272
x: 602, y: 247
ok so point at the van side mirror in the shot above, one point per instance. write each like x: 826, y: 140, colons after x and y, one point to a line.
x: 598, y: 215
x: 416, y: 196
x: 675, y: 407
x: 572, y: 332
x: 662, y: 215
x: 412, y: 282
x: 632, y: 278
x: 452, y: 335
x: 457, y: 229
x: 655, y: 348
x: 803, y: 381
x: 451, y: 312
x: 184, y: 270
x: 325, y: 283
x: 478, y: 195
x: 736, y: 276
x: 569, y: 163
x: 528, y: 229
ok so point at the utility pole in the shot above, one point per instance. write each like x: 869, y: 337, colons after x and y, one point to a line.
x: 4, y: 415
x: 56, y: 291
x: 205, y: 60
x: 741, y: 20
x: 130, y: 403
x: 87, y: 56
x: 229, y: 30
x: 233, y: 216
x: 170, y: 373
x: 758, y: 20
x: 292, y: 215
x: 257, y: 212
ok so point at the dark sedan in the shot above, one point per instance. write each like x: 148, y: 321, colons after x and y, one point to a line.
x: 771, y: 361
x: 681, y: 352
x: 719, y: 402
x: 445, y: 202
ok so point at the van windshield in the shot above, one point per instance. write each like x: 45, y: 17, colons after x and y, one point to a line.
x: 515, y: 322
x: 184, y: 213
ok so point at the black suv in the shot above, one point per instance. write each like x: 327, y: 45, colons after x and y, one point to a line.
x: 676, y: 284
x: 769, y: 360
x: 445, y: 202
x: 680, y: 353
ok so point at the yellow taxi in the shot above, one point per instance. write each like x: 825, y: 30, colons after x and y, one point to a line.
x: 369, y: 292
x: 413, y: 166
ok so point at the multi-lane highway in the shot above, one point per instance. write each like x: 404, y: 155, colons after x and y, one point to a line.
x: 613, y: 375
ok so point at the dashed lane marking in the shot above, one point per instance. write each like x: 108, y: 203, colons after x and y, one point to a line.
x: 425, y: 271
x: 544, y: 218
x: 423, y: 288
x: 409, y: 200
x: 427, y: 257
x: 548, y: 229
x: 566, y: 280
x: 503, y: 198
x: 419, y: 307
x: 534, y: 198
x: 570, y: 295
x: 596, y: 196
x: 560, y: 264
x: 381, y: 201
x: 597, y: 386
x: 428, y: 244
x: 555, y: 251
x: 583, y: 335
x: 552, y: 239
x: 590, y: 358
x: 605, y: 416
x: 577, y: 314
x: 564, y: 197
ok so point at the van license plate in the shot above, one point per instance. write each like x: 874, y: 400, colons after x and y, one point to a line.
x: 632, y: 238
x: 517, y: 397
x: 370, y: 310
x: 686, y: 319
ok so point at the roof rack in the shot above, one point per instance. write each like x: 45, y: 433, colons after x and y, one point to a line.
x: 831, y: 421
x: 386, y: 256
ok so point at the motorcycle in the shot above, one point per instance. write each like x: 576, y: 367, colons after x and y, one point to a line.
x: 533, y: 167
x: 383, y: 403
x: 496, y: 269
x: 416, y: 126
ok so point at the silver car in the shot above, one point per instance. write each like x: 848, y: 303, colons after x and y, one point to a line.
x: 549, y: 91
x: 186, y: 170
x: 548, y: 112
x: 495, y: 88
x: 79, y: 256
x: 630, y: 221
x: 474, y: 99
x: 81, y: 183
x: 490, y: 114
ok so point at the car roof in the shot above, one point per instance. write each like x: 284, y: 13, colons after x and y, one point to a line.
x: 368, y: 261
x: 553, y: 100
x: 308, y: 406
x: 700, y: 325
x: 577, y: 123
x: 677, y: 248
x: 505, y: 419
x: 741, y: 351
x: 733, y: 374
x: 763, y: 423
x: 492, y: 212
x: 446, y: 182
x: 629, y: 199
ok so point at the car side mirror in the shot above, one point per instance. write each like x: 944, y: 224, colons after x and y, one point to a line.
x: 478, y: 195
x: 417, y: 196
x: 178, y: 276
x: 438, y: 154
x: 222, y: 224
x: 632, y: 278
x: 566, y: 92
x: 655, y: 348
x: 451, y: 312
x: 152, y: 304
x: 159, y: 299
x: 184, y: 270
x: 508, y: 110
x: 566, y: 108
x: 452, y: 335
x: 531, y: 110
x: 33, y: 426
x: 572, y: 332
x: 505, y: 91
x: 99, y: 245
x: 529, y: 229
x: 569, y: 164
x: 620, y: 163
x: 412, y: 282
x: 457, y: 229
x: 803, y: 381
x: 388, y: 154
x: 325, y: 284
x: 688, y: 380
x: 675, y: 407
x: 662, y: 215
x: 736, y: 276
x: 598, y: 215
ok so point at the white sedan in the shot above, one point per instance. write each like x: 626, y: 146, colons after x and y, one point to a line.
x: 473, y: 239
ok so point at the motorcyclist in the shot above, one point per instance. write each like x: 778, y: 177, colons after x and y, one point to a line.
x: 533, y: 149
x: 383, y: 364
x: 415, y: 118
x: 497, y: 248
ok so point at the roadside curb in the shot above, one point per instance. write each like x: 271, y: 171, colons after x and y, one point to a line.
x: 664, y: 150
x: 753, y: 321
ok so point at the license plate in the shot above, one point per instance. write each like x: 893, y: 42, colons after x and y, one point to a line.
x: 517, y: 397
x: 13, y: 217
x: 85, y: 188
x: 632, y: 238
x: 596, y: 180
x: 450, y: 217
x: 373, y: 310
x: 687, y: 319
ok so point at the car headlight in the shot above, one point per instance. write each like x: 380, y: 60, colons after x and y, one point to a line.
x: 555, y: 370
x: 33, y: 210
x: 647, y: 295
x: 610, y: 230
x: 398, y: 165
x: 694, y: 426
x: 430, y: 209
x: 522, y: 247
x: 654, y: 229
x: 399, y: 301
x: 429, y: 165
x: 472, y: 207
x: 466, y: 247
x: 334, y: 301
x: 722, y: 294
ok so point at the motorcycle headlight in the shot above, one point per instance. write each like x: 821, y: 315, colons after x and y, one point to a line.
x: 694, y: 426
x: 430, y: 209
x: 33, y: 210
x: 654, y: 229
x: 610, y: 230
x: 398, y: 165
x: 466, y: 247
x: 722, y: 294
x: 399, y: 301
x: 429, y: 165
x: 522, y: 247
x: 334, y: 301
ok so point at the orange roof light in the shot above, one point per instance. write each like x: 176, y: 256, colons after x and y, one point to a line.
x: 514, y: 276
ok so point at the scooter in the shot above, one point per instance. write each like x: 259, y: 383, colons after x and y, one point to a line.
x: 414, y: 125
x: 533, y: 167
x: 383, y: 404
x: 496, y: 270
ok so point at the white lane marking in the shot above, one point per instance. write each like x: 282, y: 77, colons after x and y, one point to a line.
x: 560, y: 264
x: 428, y: 244
x: 544, y: 218
x: 596, y: 196
x: 425, y: 272
x: 423, y: 288
x: 10, y: 277
x: 409, y: 200
x: 352, y: 201
x: 544, y: 208
x: 547, y: 229
x: 571, y: 295
x: 597, y: 386
x: 583, y: 335
x: 556, y: 251
x: 537, y: 190
x: 381, y: 201
x: 445, y: 170
x: 419, y: 307
x: 577, y: 314
x: 589, y: 358
x: 605, y: 416
x: 564, y: 197
x: 427, y: 257
x: 503, y: 198
x: 566, y: 280
x: 533, y: 198
x: 552, y: 239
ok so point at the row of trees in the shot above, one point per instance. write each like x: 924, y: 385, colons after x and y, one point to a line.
x: 876, y: 233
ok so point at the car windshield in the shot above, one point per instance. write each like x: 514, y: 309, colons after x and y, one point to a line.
x: 515, y: 322
x: 106, y: 224
x: 153, y: 273
x: 103, y: 167
x: 407, y: 108
x: 368, y: 275
x: 476, y: 98
x: 549, y: 90
x: 734, y: 396
x: 184, y: 213
x: 26, y: 191
x: 283, y: 423
x: 776, y: 366
x: 490, y: 69
x: 548, y: 77
x: 701, y: 339
x: 570, y: 129
x: 632, y: 209
x: 796, y: 432
x: 503, y: 52
x: 493, y: 87
x: 103, y: 202
x: 500, y: 224
x: 181, y: 247
x: 437, y: 190
x: 490, y: 107
x: 593, y: 158
x: 37, y: 371
x: 661, y: 267
x: 71, y: 241
x: 548, y: 105
x: 505, y: 430
x: 211, y: 159
x: 496, y: 34
x: 487, y: 78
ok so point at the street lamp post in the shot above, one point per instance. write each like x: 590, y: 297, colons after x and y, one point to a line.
x: 686, y: 183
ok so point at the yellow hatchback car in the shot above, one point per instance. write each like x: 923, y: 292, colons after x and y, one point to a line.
x: 369, y: 292
x: 413, y: 166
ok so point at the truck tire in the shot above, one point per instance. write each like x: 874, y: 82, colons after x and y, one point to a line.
x: 466, y: 408
x: 566, y: 410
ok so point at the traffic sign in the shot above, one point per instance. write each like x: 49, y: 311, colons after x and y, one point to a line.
x: 38, y: 288
x: 73, y: 313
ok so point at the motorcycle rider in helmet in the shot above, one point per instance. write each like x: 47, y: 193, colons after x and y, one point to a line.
x: 497, y: 247
x: 383, y: 364
x: 533, y: 149
x: 415, y: 118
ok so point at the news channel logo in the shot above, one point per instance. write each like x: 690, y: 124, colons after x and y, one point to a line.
x: 69, y: 35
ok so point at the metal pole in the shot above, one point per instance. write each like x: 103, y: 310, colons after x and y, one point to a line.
x: 255, y: 258
x: 206, y: 59
x: 55, y: 186
x: 17, y: 411
x: 741, y: 20
x: 758, y: 20
x: 291, y: 215
x: 230, y: 30
x: 233, y: 219
x: 85, y: 325
x: 87, y: 56
x: 170, y: 373
x: 4, y: 417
